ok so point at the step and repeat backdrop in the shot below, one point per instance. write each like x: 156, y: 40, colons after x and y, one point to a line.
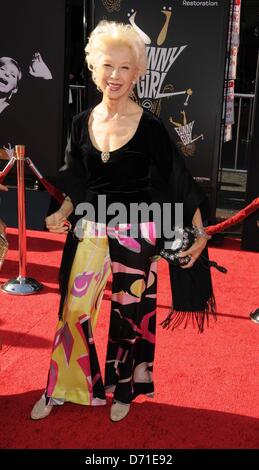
x: 186, y: 46
x: 32, y: 53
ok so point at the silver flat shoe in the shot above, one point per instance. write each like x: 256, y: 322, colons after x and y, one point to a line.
x: 119, y: 410
x: 40, y: 409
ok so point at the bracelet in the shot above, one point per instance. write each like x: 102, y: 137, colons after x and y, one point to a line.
x: 199, y: 232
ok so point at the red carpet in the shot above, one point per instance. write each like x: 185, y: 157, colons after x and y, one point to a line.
x: 206, y: 385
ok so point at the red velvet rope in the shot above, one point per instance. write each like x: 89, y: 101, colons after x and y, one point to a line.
x: 235, y: 219
x: 52, y: 190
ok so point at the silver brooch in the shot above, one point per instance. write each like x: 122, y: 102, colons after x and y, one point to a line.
x: 105, y: 156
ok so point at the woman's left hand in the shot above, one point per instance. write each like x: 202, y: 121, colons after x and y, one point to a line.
x: 194, y: 252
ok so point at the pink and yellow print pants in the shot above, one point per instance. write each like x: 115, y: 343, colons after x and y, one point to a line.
x: 74, y: 373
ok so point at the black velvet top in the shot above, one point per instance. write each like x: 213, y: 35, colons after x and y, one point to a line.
x: 147, y: 168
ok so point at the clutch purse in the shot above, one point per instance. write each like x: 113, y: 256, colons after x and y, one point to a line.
x: 3, y: 249
x: 184, y: 239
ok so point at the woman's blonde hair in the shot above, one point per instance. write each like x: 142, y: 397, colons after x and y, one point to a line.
x: 110, y: 32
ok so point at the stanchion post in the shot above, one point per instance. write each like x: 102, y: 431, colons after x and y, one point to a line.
x: 22, y: 285
x: 20, y: 154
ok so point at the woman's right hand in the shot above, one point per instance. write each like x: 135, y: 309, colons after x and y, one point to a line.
x: 56, y: 222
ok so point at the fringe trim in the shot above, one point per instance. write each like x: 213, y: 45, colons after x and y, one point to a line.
x: 175, y: 318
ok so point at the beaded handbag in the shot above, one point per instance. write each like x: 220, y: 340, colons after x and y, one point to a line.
x: 184, y: 239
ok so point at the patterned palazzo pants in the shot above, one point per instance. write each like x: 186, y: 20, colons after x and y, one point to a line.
x: 74, y: 373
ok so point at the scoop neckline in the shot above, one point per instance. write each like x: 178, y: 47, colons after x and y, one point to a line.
x: 120, y: 148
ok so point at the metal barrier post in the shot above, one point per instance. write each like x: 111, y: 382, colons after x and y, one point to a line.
x: 22, y: 285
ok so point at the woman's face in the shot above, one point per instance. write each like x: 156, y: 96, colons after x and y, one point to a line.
x: 116, y: 71
x: 9, y: 76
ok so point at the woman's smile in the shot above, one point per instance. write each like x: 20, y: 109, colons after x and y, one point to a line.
x: 114, y: 86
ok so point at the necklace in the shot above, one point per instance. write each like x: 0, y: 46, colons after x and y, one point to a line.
x: 105, y: 156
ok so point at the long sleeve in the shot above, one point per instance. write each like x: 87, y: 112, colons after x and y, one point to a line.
x: 192, y: 292
x: 72, y: 179
x: 170, y: 170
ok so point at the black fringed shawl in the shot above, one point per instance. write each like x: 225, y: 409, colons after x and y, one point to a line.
x: 166, y: 179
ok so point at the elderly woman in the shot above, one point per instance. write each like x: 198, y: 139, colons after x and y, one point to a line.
x: 116, y: 147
